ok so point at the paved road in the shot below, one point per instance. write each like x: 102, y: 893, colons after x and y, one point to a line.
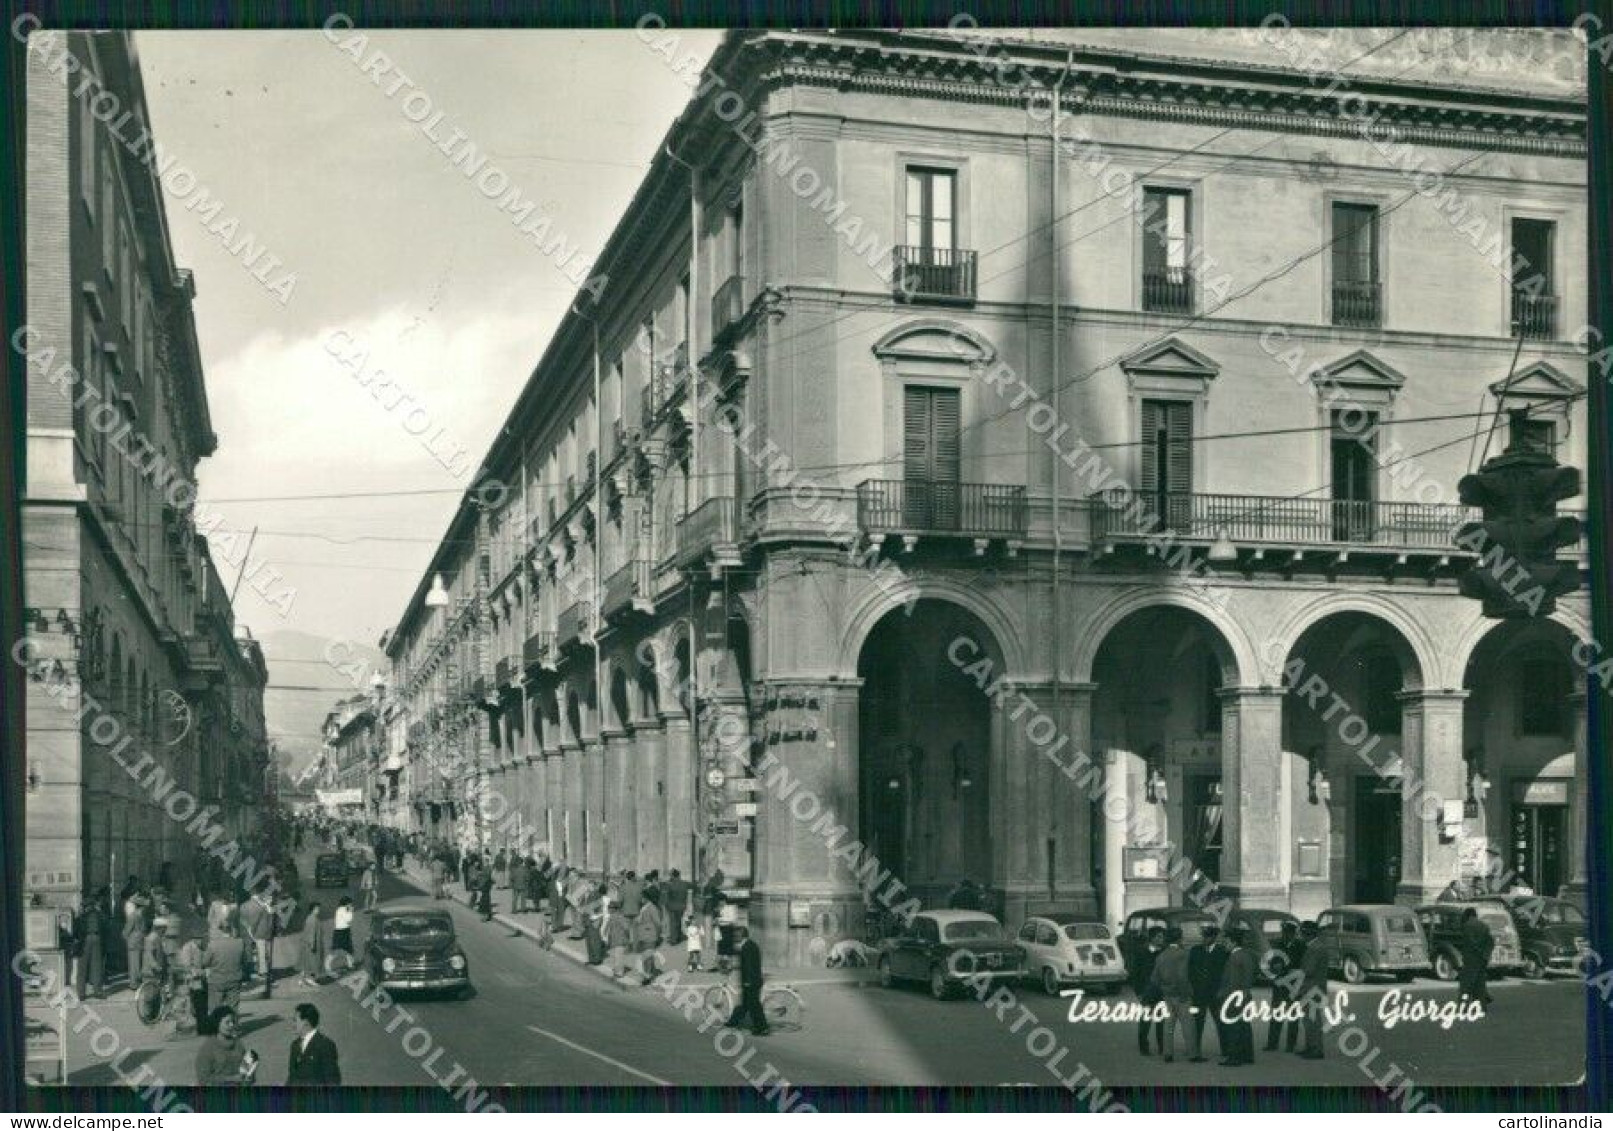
x: 539, y: 1018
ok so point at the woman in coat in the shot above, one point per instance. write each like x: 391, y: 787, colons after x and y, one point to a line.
x: 313, y: 946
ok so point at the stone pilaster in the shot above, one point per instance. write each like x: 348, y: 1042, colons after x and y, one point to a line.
x: 620, y: 833
x: 807, y: 800
x: 648, y: 772
x: 1431, y: 751
x: 677, y: 743
x: 593, y: 779
x: 1578, y: 825
x: 1253, y: 796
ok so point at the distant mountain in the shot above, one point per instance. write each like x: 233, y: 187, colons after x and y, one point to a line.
x: 301, y: 660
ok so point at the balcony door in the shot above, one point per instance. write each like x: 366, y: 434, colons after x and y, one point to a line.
x: 931, y: 447
x: 1355, y: 467
x: 1167, y: 461
x: 1355, y: 265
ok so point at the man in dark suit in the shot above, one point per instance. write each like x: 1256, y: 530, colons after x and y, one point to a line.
x: 750, y: 985
x: 1237, y: 989
x: 1205, y: 963
x: 1476, y: 946
x: 1313, y: 990
x: 313, y: 1055
x: 1279, y: 961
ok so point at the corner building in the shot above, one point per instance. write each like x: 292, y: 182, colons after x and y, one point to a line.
x: 889, y: 395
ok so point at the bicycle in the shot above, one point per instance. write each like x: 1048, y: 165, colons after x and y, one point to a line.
x: 781, y: 1004
x: 157, y: 1001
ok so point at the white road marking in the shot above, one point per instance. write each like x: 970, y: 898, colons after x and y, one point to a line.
x: 601, y: 1056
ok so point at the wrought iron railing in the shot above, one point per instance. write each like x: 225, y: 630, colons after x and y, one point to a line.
x: 1534, y: 316
x: 714, y: 522
x: 1356, y: 303
x: 1168, y: 291
x: 933, y: 273
x: 1265, y: 519
x: 918, y: 506
x: 628, y: 584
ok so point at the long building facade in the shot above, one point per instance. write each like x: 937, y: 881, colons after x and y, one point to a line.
x: 1035, y: 462
x: 139, y: 690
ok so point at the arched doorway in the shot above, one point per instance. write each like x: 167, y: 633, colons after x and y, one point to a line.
x: 925, y: 729
x: 1158, y: 712
x: 1344, y: 717
x: 1523, y: 751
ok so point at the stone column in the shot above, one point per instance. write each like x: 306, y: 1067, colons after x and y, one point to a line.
x: 571, y: 818
x: 593, y: 776
x: 648, y: 772
x: 1431, y: 751
x: 807, y: 799
x: 1252, y: 796
x: 678, y: 805
x: 1578, y: 825
x: 620, y: 835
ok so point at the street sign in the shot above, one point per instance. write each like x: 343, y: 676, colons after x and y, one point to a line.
x: 745, y: 809
x: 723, y: 828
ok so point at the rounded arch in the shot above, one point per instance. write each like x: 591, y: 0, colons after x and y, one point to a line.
x: 1239, y: 659
x: 1410, y: 639
x: 1473, y: 638
x: 935, y: 339
x: 872, y: 606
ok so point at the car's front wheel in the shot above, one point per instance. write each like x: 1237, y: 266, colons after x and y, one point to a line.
x: 887, y: 976
x: 1050, y: 982
x: 1533, y: 966
x: 1354, y: 972
x: 1445, y: 967
x: 938, y: 983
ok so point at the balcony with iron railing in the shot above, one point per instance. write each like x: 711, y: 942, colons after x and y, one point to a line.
x: 1357, y: 302
x: 572, y: 626
x: 727, y: 306
x: 630, y: 587
x: 1168, y: 290
x: 1265, y: 521
x: 540, y: 650
x: 712, y: 528
x: 968, y: 510
x: 933, y: 274
x: 1534, y: 316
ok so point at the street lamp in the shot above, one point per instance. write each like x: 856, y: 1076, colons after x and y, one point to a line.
x: 437, y: 598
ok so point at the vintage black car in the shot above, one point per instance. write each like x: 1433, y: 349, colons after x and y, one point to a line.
x: 330, y: 871
x: 1139, y: 924
x: 1551, y: 932
x: 943, y: 948
x: 1442, y: 924
x: 414, y: 948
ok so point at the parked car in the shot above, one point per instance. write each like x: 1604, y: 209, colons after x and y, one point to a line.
x: 414, y: 948
x: 1265, y: 932
x: 1070, y: 949
x: 1134, y: 932
x: 943, y: 948
x: 1373, y: 938
x: 1442, y: 926
x: 1552, y: 933
x: 330, y: 870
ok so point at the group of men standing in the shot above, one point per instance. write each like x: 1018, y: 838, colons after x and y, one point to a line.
x: 1215, y: 979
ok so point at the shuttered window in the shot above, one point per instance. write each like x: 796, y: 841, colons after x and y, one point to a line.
x: 1167, y: 447
x: 931, y: 455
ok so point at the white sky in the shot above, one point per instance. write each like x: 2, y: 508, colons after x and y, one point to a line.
x: 398, y: 249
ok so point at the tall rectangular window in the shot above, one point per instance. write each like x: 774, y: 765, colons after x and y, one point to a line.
x: 1353, y: 446
x: 1534, y: 299
x: 932, y: 209
x: 931, y: 455
x: 1528, y: 433
x: 1356, y: 287
x: 86, y: 154
x: 1167, y: 230
x: 1167, y: 459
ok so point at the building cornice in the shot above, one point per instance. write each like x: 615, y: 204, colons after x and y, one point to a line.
x: 1207, y: 92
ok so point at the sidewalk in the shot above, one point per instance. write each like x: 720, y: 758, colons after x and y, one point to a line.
x: 674, y: 954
